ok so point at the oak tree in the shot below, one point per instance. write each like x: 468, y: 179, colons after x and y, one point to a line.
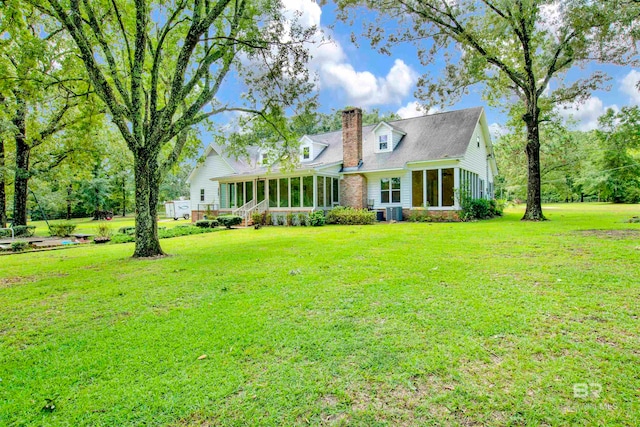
x: 45, y: 98
x: 163, y: 67
x: 519, y: 50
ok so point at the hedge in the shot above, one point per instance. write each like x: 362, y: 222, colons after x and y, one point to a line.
x: 207, y: 223
x: 348, y: 216
x: 229, y: 220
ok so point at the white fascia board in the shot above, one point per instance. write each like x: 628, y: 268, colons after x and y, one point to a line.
x: 308, y: 139
x: 329, y: 165
x: 482, y: 121
x: 199, y: 165
x: 388, y: 126
x: 372, y: 171
x: 206, y: 153
x: 437, y: 162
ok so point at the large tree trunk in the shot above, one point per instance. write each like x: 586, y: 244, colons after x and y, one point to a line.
x: 147, y: 242
x: 3, y: 191
x: 22, y: 166
x: 534, y: 191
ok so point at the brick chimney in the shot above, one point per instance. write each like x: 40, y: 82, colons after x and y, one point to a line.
x: 351, y: 138
x: 353, y: 186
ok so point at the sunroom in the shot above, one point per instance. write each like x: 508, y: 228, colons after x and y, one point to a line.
x: 278, y: 193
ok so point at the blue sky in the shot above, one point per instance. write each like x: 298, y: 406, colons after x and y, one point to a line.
x: 360, y: 76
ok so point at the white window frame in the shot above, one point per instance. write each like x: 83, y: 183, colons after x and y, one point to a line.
x: 306, y: 153
x: 383, y: 139
x: 391, y: 190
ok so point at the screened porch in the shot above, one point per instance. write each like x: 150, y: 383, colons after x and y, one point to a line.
x: 297, y: 193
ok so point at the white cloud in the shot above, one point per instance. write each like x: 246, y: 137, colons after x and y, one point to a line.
x: 629, y: 86
x: 496, y: 130
x: 586, y: 113
x: 551, y: 17
x: 329, y: 61
x: 414, y: 109
x: 306, y: 12
x: 364, y: 89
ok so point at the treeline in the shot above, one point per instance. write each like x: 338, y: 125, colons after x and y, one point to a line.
x: 598, y: 165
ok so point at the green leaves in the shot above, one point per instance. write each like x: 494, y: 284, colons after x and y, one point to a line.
x: 519, y: 51
x: 159, y: 68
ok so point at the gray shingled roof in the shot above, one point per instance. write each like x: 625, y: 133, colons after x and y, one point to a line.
x: 432, y: 137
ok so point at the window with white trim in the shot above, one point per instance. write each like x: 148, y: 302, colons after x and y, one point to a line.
x: 390, y: 190
x: 383, y: 143
x: 306, y: 153
x: 202, y: 194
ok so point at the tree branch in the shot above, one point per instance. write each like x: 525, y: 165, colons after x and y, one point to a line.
x: 554, y: 67
x: 455, y: 30
x: 73, y: 24
x: 97, y: 31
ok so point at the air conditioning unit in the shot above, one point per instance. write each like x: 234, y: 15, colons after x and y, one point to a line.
x: 394, y: 214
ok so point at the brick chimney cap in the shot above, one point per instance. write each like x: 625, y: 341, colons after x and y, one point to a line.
x: 350, y: 109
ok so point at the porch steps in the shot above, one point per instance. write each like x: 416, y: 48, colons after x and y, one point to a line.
x: 249, y: 209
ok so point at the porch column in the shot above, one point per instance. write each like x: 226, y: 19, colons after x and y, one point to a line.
x: 440, y: 187
x: 315, y: 191
x: 425, y: 203
x: 456, y: 188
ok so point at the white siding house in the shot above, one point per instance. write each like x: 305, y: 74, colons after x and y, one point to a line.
x: 478, y: 156
x: 422, y: 163
x: 203, y: 190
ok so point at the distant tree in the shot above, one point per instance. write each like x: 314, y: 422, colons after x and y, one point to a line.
x: 45, y: 95
x: 618, y: 161
x: 159, y: 68
x: 333, y: 121
x: 563, y: 154
x: 519, y: 50
x: 175, y: 185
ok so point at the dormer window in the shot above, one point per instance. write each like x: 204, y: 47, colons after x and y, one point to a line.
x: 383, y: 144
x: 306, y: 153
x: 386, y: 137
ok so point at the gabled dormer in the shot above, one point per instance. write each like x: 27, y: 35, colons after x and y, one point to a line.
x: 310, y: 149
x: 386, y: 137
x: 262, y: 158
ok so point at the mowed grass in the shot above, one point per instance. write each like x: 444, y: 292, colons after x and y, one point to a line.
x: 495, y: 323
x: 89, y: 226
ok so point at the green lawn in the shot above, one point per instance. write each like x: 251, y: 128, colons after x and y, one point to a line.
x: 88, y: 226
x: 488, y: 323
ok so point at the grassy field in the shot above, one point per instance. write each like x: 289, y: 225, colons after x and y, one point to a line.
x: 88, y: 226
x: 488, y: 323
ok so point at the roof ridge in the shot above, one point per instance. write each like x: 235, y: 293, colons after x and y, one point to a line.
x: 332, y: 131
x: 399, y: 120
x: 435, y: 114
